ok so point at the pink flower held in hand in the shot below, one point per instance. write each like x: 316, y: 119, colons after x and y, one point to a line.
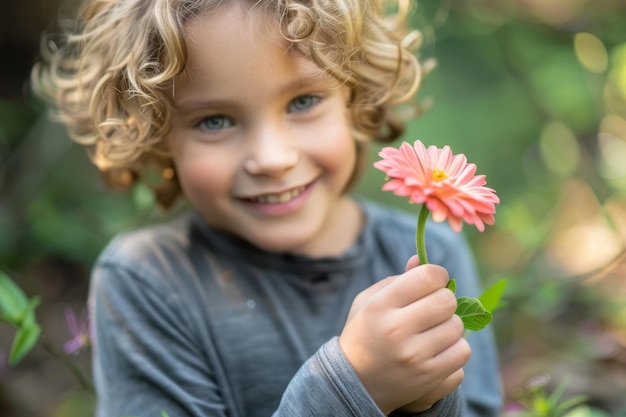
x: 80, y: 330
x: 446, y: 186
x: 444, y: 182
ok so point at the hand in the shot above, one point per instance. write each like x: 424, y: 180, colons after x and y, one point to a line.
x: 442, y: 390
x: 404, y: 341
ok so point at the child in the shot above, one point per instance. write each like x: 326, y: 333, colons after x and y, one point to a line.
x: 277, y: 294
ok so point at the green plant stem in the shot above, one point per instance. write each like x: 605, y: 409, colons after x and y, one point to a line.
x: 420, y: 242
x: 84, y: 382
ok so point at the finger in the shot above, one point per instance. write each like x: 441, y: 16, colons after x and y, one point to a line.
x: 365, y: 295
x: 454, y: 357
x: 413, y: 285
x: 411, y: 263
x: 445, y: 388
x: 414, y: 261
x: 433, y: 310
x: 447, y: 373
x: 437, y: 340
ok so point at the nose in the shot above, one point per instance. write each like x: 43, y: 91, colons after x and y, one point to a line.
x: 271, y: 151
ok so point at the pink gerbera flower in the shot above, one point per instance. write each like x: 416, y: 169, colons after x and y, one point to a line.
x: 445, y: 183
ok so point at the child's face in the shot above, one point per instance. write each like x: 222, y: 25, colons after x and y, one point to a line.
x: 261, y: 137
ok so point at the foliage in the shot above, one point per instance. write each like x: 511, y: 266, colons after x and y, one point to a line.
x: 18, y: 311
x: 536, y: 401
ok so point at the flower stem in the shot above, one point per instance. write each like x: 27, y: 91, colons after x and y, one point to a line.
x: 420, y: 244
x: 82, y: 379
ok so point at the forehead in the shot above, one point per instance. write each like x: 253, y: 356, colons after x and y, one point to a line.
x: 232, y: 32
x: 235, y: 42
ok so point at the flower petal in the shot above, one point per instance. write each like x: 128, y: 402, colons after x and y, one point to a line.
x: 459, y: 195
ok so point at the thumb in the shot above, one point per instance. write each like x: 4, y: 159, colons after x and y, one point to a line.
x: 413, y: 262
x: 364, y: 295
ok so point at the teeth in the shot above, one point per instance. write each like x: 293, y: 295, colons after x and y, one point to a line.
x: 278, y: 198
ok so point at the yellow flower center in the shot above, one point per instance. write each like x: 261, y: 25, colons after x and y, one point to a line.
x: 439, y: 175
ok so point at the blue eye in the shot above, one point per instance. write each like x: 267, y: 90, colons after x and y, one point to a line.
x: 303, y: 103
x: 216, y: 123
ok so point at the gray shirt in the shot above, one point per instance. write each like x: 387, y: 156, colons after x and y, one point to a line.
x: 196, y: 322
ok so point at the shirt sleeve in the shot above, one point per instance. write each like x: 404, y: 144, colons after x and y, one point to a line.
x: 327, y: 385
x: 146, y: 359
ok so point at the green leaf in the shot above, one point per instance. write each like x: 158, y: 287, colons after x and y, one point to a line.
x: 13, y: 302
x: 452, y: 285
x: 24, y: 341
x: 490, y: 299
x: 558, y: 392
x: 570, y: 403
x: 28, y: 315
x: 473, y: 314
x: 586, y: 411
x: 164, y: 414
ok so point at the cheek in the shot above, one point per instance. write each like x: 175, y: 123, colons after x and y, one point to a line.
x: 337, y: 150
x: 200, y: 177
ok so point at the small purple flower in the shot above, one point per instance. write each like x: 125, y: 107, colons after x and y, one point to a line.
x: 80, y: 329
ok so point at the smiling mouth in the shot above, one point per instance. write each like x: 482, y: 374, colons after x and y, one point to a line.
x: 278, y: 198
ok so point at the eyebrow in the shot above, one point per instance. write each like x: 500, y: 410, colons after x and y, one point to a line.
x: 195, y: 104
x: 305, y: 81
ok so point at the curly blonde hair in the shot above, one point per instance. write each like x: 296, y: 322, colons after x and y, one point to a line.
x: 110, y: 79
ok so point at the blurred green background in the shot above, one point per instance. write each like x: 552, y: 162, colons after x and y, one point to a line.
x: 532, y: 91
